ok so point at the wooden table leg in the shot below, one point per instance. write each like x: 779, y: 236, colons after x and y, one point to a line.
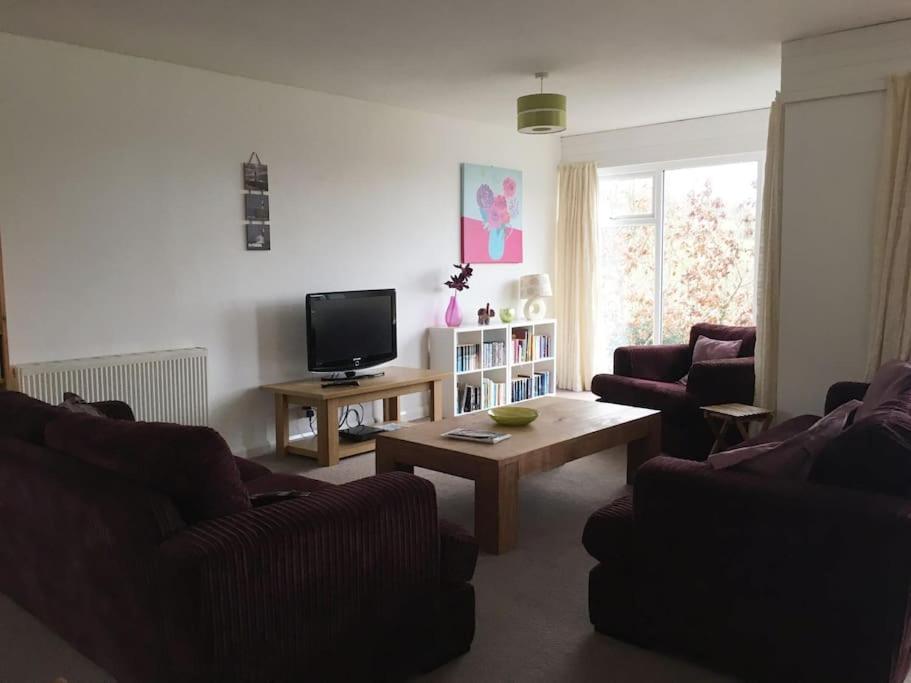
x: 436, y: 401
x: 391, y: 409
x: 385, y: 458
x: 645, y: 448
x: 719, y: 428
x: 281, y: 425
x: 744, y: 429
x: 496, y: 507
x: 327, y: 433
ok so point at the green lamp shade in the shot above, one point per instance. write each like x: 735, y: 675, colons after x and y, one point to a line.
x: 542, y: 113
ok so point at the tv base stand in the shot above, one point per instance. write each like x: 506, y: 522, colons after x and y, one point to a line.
x: 326, y: 401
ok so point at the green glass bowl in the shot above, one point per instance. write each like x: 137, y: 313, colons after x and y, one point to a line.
x: 513, y: 416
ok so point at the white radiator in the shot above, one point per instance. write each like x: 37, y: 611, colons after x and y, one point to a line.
x: 161, y: 386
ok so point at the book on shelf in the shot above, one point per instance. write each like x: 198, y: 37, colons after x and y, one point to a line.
x: 476, y: 435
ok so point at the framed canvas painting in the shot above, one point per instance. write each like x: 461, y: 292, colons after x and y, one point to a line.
x: 491, y: 214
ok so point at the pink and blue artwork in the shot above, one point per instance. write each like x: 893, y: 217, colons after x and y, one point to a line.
x: 491, y: 214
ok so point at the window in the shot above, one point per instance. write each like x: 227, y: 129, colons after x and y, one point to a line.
x: 677, y: 247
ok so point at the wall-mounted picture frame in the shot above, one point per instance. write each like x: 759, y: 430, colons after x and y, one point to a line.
x: 256, y: 207
x: 258, y: 238
x: 256, y: 177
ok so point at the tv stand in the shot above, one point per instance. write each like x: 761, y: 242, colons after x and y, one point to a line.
x: 325, y: 446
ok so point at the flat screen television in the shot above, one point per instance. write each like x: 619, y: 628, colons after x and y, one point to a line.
x: 347, y: 331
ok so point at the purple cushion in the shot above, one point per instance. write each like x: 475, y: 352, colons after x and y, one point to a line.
x: 790, y: 459
x: 192, y: 465
x: 24, y: 417
x: 873, y: 455
x: 746, y: 334
x: 891, y: 381
x: 713, y: 349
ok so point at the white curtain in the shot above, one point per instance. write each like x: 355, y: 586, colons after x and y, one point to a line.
x: 890, y: 332
x: 768, y: 278
x: 576, y: 274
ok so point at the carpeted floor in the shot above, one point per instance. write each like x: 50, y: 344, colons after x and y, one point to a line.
x: 531, y: 602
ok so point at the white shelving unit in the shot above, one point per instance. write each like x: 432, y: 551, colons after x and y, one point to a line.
x: 444, y: 343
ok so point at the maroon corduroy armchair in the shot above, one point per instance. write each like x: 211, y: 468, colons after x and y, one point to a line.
x: 647, y: 377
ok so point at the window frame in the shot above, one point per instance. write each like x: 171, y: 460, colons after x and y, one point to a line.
x: 657, y: 170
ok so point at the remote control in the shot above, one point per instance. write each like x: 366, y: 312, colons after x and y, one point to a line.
x: 342, y: 383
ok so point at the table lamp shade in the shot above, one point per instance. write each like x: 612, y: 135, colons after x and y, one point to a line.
x: 534, y: 286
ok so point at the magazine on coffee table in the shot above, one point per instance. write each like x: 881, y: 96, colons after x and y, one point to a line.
x: 476, y: 435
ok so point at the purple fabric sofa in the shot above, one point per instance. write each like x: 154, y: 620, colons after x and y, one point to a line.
x: 139, y: 544
x: 767, y: 578
x: 647, y: 377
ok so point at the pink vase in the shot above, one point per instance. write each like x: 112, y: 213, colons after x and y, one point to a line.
x: 453, y: 312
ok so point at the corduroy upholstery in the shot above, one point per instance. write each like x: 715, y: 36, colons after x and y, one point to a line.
x: 770, y: 579
x: 647, y: 377
x: 352, y: 582
x: 193, y: 465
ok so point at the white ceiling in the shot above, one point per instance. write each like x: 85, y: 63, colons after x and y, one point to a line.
x: 620, y: 62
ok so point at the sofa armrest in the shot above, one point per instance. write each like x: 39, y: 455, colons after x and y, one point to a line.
x: 731, y: 380
x: 116, y: 410
x: 458, y: 553
x: 660, y: 363
x: 798, y: 553
x: 842, y: 392
x: 354, y: 565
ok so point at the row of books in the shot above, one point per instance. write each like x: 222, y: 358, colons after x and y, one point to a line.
x: 489, y: 394
x: 468, y: 357
x: 525, y: 349
x: 477, y: 356
x: 469, y: 398
x: 529, y: 386
x: 540, y: 346
x: 494, y: 354
x: 493, y: 394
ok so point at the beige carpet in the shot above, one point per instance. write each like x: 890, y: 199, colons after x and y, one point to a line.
x: 531, y: 603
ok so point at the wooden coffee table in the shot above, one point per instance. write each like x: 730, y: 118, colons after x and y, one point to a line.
x: 565, y: 430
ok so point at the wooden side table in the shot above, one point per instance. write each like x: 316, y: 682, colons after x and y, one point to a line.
x: 723, y: 416
x: 325, y: 447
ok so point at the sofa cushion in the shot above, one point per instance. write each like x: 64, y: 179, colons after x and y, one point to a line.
x: 192, y: 465
x: 249, y: 469
x: 284, y: 482
x: 24, y: 417
x: 76, y: 404
x: 873, y: 455
x: 608, y: 532
x: 726, y: 332
x: 789, y: 459
x: 890, y: 383
x: 644, y: 393
x: 707, y: 349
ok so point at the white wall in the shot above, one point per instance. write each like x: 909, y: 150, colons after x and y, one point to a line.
x: 833, y: 126
x: 709, y: 136
x: 122, y: 215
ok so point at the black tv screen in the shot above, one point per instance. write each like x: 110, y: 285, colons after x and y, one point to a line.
x: 350, y: 330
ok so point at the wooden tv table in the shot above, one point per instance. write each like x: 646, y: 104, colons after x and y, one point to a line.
x: 566, y: 429
x: 326, y: 447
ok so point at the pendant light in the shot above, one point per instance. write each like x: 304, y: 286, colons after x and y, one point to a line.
x: 543, y: 112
